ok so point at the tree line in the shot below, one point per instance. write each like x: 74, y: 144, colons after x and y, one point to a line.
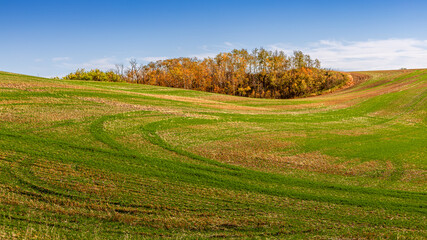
x: 260, y: 73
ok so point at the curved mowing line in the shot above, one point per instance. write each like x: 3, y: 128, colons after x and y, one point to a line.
x: 155, y: 139
x: 28, y: 179
x: 196, y: 170
x: 377, y: 205
x: 226, y: 178
x: 34, y: 187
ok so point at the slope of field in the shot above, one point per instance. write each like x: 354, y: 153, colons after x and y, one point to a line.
x: 97, y: 160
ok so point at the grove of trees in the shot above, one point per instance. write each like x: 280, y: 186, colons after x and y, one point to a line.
x: 260, y: 74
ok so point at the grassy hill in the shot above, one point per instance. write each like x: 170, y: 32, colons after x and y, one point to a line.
x: 102, y: 160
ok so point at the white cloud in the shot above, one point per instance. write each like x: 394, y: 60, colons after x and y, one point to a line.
x: 153, y: 59
x: 212, y: 50
x: 286, y: 48
x: 204, y: 55
x: 60, y: 59
x: 367, y: 55
x: 38, y: 60
x: 100, y: 63
x: 207, y: 52
x: 228, y: 44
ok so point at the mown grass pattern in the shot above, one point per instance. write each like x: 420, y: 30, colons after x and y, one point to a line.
x: 83, y: 160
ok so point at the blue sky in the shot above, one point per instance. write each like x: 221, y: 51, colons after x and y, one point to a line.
x: 53, y: 38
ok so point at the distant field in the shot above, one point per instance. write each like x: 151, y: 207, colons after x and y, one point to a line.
x: 98, y: 160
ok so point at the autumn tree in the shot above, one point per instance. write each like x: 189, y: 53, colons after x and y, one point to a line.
x: 260, y: 73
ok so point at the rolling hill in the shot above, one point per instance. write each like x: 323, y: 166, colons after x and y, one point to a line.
x: 87, y: 160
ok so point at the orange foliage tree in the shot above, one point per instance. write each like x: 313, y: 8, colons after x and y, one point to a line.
x: 261, y: 73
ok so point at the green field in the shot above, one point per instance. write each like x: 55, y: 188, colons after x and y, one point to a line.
x: 98, y: 160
